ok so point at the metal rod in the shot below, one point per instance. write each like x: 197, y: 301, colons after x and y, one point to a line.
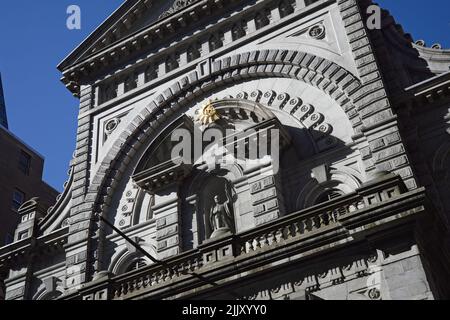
x: 153, y: 259
x: 134, y: 244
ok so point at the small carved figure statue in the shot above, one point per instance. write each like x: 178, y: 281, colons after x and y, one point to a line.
x: 221, y: 217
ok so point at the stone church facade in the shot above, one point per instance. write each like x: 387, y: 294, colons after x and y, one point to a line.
x: 347, y: 200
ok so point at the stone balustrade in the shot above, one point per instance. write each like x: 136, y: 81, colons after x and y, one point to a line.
x: 154, y: 275
x: 295, y: 228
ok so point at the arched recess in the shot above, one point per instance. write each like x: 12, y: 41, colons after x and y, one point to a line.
x: 124, y: 259
x: 344, y: 182
x: 203, y: 183
x: 329, y: 77
x: 200, y: 189
x: 50, y: 289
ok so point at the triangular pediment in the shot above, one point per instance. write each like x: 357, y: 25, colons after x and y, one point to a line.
x: 131, y: 17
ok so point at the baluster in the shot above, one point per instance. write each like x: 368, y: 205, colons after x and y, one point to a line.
x: 335, y: 215
x: 190, y: 266
x: 132, y: 286
x: 270, y: 238
x: 248, y: 246
x: 300, y: 227
x: 167, y: 274
x: 258, y: 242
x: 138, y: 283
x: 199, y: 262
x: 147, y: 281
x: 251, y: 245
x: 308, y: 224
x: 160, y: 276
x: 285, y: 232
x: 279, y: 235
x: 183, y: 268
x: 176, y: 272
x: 325, y: 221
x: 295, y: 229
x: 318, y: 223
x: 274, y: 238
x: 291, y: 228
x: 119, y: 292
x: 266, y: 240
x: 331, y: 218
x: 180, y: 268
x: 194, y: 263
x: 154, y: 279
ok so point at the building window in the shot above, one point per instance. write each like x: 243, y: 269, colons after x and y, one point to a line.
x: 18, y: 199
x: 329, y: 195
x: 136, y: 264
x: 24, y: 162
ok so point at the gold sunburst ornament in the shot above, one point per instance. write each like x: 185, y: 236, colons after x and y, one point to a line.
x: 208, y: 114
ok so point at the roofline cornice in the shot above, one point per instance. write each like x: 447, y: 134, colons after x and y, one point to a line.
x: 123, y: 9
x: 430, y: 91
x: 144, y: 37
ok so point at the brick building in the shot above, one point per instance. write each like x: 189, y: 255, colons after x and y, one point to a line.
x: 21, y: 170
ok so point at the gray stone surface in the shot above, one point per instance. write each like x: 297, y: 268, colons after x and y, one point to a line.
x: 345, y: 114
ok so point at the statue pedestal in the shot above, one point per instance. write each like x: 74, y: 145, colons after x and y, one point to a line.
x: 218, y: 248
x: 220, y: 233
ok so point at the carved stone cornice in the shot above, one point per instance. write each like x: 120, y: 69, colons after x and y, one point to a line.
x: 263, y: 131
x: 179, y: 19
x: 161, y: 176
x: 427, y: 92
x: 41, y: 247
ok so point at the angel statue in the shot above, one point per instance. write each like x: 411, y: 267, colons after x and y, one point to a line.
x: 221, y: 216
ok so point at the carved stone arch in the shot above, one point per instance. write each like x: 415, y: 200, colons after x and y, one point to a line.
x: 347, y: 177
x: 252, y: 109
x: 151, y: 116
x: 200, y: 191
x: 44, y: 295
x: 50, y: 289
x: 319, y: 130
x: 138, y: 208
x: 329, y: 77
x: 339, y: 179
x: 441, y: 158
x: 124, y: 258
x: 156, y: 143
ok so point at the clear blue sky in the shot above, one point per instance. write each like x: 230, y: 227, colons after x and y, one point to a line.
x: 34, y: 39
